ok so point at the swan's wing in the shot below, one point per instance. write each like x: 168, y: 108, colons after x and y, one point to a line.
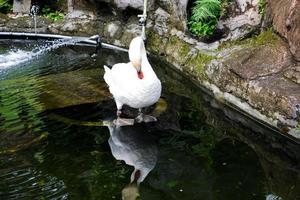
x: 107, y: 75
x: 119, y: 79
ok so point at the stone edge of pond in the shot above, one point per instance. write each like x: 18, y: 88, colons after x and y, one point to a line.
x: 204, y: 62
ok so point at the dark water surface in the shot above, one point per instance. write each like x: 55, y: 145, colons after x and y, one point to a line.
x: 52, y: 144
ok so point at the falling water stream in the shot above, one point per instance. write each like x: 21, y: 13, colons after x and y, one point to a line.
x: 53, y: 144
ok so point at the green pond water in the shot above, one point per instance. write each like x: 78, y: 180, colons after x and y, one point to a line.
x: 53, y: 144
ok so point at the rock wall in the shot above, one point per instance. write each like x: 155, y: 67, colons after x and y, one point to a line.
x: 22, y: 6
x: 285, y: 15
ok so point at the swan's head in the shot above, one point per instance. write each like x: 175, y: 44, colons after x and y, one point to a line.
x: 137, y: 52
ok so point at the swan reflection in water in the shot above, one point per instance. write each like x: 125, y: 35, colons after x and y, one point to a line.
x: 137, y: 148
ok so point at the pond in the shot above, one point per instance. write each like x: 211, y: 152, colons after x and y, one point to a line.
x: 54, y: 145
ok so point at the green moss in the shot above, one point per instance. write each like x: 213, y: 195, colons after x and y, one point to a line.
x: 183, y: 47
x: 198, y: 62
x: 154, y: 42
x: 177, y: 50
x: 264, y: 38
x: 3, y: 17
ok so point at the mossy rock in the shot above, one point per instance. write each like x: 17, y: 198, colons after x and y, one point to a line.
x: 264, y: 38
x: 156, y: 43
x: 197, y: 63
x: 178, y: 50
x: 3, y: 18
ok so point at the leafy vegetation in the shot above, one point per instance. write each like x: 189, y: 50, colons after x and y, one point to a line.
x: 52, y: 14
x: 201, y: 28
x: 205, y: 16
x: 5, y: 6
x: 261, y: 7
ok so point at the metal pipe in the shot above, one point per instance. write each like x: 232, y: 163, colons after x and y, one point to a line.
x: 143, y: 19
x: 80, y: 40
x: 145, y: 8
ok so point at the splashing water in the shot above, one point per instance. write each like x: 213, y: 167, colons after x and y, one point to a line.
x: 18, y: 56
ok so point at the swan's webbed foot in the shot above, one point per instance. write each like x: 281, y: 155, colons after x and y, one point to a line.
x: 145, y: 118
x: 122, y: 121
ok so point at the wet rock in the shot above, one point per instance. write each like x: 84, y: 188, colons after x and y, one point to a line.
x: 285, y: 15
x: 78, y: 87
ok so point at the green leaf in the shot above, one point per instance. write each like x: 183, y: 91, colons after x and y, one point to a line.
x: 204, y: 18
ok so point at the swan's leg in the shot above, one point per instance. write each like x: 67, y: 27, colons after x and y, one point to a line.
x: 140, y: 117
x: 144, y: 118
x: 119, y: 108
x: 119, y: 112
x: 122, y: 121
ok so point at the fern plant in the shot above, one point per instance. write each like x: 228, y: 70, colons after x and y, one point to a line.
x: 204, y: 18
x: 261, y: 7
x: 5, y: 6
x: 51, y: 14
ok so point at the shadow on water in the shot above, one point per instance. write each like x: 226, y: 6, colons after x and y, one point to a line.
x: 53, y: 144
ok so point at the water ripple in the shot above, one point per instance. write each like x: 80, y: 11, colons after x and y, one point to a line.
x: 31, y: 183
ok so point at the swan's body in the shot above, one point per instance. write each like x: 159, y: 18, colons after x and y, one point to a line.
x: 135, y: 83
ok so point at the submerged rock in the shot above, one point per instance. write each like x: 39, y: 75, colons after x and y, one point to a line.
x: 77, y: 87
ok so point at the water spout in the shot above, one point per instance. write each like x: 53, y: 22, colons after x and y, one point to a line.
x: 34, y: 11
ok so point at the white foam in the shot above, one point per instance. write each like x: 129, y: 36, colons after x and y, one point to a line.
x: 16, y: 57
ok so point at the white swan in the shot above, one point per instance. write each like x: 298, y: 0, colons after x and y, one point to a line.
x: 135, y: 83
